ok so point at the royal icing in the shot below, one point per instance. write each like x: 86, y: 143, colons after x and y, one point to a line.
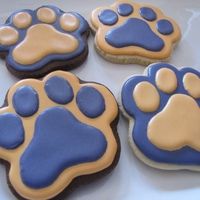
x: 34, y: 38
x: 60, y: 141
x: 130, y: 29
x: 168, y: 133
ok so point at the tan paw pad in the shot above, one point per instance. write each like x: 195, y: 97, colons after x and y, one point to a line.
x: 22, y: 20
x: 8, y: 35
x: 191, y: 83
x: 46, y: 15
x: 146, y: 97
x: 49, y: 41
x: 173, y: 128
x: 166, y: 80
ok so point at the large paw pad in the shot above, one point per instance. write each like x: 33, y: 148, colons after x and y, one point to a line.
x: 131, y: 29
x: 35, y: 38
x: 57, y: 129
x: 165, y: 105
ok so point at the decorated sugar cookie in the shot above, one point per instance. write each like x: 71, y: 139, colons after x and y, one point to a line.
x: 128, y: 32
x: 36, y: 42
x: 53, y: 139
x: 163, y: 108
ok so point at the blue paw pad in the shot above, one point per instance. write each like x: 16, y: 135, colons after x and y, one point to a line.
x: 108, y: 17
x: 165, y: 27
x: 59, y: 90
x: 148, y: 14
x: 11, y: 131
x: 90, y: 102
x: 135, y: 32
x: 125, y: 9
x: 63, y: 141
x: 25, y: 101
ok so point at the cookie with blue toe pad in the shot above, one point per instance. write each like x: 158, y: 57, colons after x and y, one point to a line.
x: 53, y: 138
x: 129, y: 32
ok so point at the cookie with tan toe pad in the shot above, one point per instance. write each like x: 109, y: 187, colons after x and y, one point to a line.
x: 39, y: 41
x: 163, y: 108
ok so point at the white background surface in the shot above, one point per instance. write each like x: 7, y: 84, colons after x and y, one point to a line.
x: 131, y: 179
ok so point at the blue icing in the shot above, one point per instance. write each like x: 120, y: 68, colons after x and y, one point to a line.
x: 134, y: 32
x: 108, y: 17
x: 90, y: 102
x: 183, y: 156
x: 59, y: 90
x: 125, y: 9
x: 148, y: 13
x: 165, y: 27
x: 11, y: 131
x: 78, y: 34
x: 25, y: 101
x: 60, y: 141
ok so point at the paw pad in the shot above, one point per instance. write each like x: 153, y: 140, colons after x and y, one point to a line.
x: 25, y: 101
x: 58, y: 129
x: 165, y: 106
x: 131, y: 29
x: 33, y: 39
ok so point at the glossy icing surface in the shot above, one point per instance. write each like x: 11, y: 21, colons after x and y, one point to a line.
x: 79, y: 144
x: 8, y: 35
x: 181, y: 147
x: 11, y: 131
x: 148, y: 14
x: 166, y: 80
x: 90, y: 102
x: 169, y: 130
x: 64, y: 40
x: 67, y: 140
x: 25, y: 101
x: 22, y: 20
x: 146, y: 101
x: 189, y: 80
x: 108, y: 17
x: 134, y: 32
x: 125, y: 9
x: 165, y: 27
x: 59, y: 90
x: 143, y: 22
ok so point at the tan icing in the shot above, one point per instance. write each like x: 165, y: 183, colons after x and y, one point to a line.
x: 101, y: 31
x: 102, y: 123
x: 69, y: 22
x: 177, y: 125
x: 42, y: 40
x: 46, y: 15
x: 8, y: 35
x: 22, y: 20
x: 166, y: 80
x: 191, y: 83
x: 146, y: 97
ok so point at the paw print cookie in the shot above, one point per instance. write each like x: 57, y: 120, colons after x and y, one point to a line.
x: 128, y: 32
x: 36, y: 42
x: 56, y: 134
x: 163, y: 109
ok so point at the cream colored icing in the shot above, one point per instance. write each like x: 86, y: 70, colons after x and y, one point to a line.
x: 46, y: 15
x: 166, y: 80
x: 69, y: 22
x: 146, y: 97
x: 42, y: 40
x: 101, y: 31
x: 177, y: 125
x: 8, y: 35
x: 102, y: 123
x: 22, y: 20
x: 191, y: 83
